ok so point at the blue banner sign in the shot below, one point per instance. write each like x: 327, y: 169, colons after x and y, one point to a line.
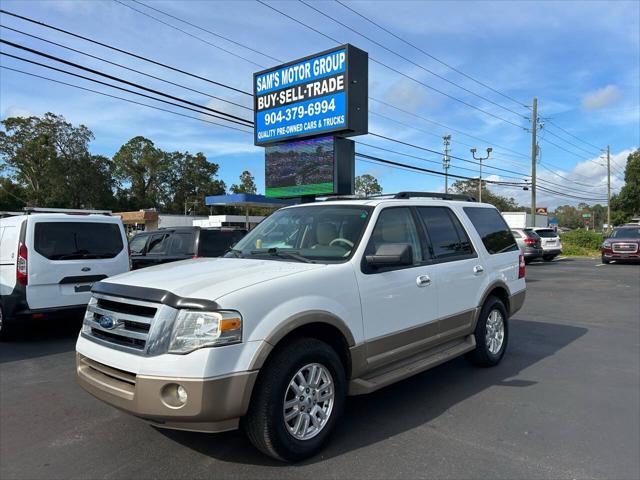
x: 310, y: 97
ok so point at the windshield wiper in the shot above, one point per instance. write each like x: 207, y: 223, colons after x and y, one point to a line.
x: 276, y: 252
x: 235, y: 252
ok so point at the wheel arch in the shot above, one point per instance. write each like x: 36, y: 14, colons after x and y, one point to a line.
x: 499, y: 290
x: 322, y: 325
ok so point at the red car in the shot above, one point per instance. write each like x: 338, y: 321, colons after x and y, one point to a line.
x: 622, y: 244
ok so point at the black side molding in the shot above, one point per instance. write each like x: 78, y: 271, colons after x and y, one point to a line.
x: 153, y: 295
x: 83, y: 279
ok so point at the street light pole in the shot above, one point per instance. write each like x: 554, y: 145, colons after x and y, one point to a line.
x: 473, y: 152
x: 445, y: 161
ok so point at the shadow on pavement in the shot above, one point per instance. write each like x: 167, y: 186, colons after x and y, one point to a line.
x: 406, y: 405
x: 35, y: 338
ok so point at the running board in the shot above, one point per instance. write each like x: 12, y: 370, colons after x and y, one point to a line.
x: 400, y: 370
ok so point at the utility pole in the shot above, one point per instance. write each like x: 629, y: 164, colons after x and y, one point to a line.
x: 446, y: 160
x: 473, y: 152
x: 608, y: 189
x: 534, y: 154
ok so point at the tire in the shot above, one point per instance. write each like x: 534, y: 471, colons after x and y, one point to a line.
x: 4, y: 326
x: 265, y: 423
x: 548, y: 258
x: 605, y: 261
x: 487, y: 354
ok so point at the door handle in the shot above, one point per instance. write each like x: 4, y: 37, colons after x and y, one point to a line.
x: 423, y: 281
x: 478, y: 269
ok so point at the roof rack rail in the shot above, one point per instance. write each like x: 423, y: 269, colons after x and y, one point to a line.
x: 5, y: 214
x: 69, y: 211
x: 439, y: 195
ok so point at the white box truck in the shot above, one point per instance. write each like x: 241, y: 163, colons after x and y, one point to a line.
x: 524, y: 220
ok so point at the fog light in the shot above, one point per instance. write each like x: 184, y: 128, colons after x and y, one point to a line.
x: 174, y: 395
x: 182, y: 394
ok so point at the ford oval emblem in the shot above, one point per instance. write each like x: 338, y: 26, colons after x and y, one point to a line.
x: 107, y: 322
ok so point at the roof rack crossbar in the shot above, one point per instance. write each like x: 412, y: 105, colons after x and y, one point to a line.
x: 439, y: 195
x: 71, y: 211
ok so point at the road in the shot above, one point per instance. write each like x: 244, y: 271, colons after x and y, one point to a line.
x: 564, y: 403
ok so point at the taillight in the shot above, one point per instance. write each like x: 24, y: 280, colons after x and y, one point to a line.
x: 21, y: 265
x: 521, y: 267
x: 195, y: 256
x: 529, y: 241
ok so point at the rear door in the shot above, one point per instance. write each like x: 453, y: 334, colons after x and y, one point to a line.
x: 67, y: 255
x: 550, y: 239
x: 8, y: 250
x: 458, y: 271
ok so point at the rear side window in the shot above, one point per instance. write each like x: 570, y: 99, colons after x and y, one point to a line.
x: 214, y: 243
x: 75, y: 240
x: 531, y: 234
x: 493, y: 230
x: 182, y: 243
x: 448, y: 238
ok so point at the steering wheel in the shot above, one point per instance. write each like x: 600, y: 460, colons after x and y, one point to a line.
x: 344, y: 241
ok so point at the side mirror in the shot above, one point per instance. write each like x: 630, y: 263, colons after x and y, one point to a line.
x: 391, y: 255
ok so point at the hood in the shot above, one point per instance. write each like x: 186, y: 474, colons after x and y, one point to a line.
x: 210, y: 278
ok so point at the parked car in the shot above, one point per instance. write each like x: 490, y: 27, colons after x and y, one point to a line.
x: 529, y: 242
x: 551, y: 244
x: 622, y: 245
x: 49, y: 261
x: 357, y: 294
x: 172, y: 244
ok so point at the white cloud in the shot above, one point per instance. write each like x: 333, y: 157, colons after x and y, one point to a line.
x: 15, y: 111
x: 601, y: 98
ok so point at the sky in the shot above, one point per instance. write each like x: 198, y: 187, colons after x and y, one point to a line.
x: 581, y: 59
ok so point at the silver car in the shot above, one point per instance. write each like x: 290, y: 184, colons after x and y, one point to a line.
x: 551, y: 245
x: 529, y: 242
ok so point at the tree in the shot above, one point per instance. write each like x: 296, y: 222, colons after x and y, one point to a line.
x: 143, y: 173
x: 470, y: 187
x: 366, y: 185
x: 12, y: 195
x: 627, y: 203
x: 191, y: 179
x: 247, y: 184
x: 43, y: 155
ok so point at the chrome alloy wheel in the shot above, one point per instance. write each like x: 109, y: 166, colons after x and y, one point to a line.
x: 308, y: 401
x: 494, y: 335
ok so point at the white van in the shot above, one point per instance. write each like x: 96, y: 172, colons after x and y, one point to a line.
x: 49, y: 261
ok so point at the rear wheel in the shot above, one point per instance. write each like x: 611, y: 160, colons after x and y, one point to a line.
x: 295, y: 405
x: 548, y: 258
x: 491, y: 334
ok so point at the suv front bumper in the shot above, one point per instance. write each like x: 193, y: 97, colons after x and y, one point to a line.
x: 213, y: 404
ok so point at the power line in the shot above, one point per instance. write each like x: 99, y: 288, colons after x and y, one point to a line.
x: 117, y: 79
x: 550, y: 132
x: 190, y: 34
x: 565, y: 178
x: 120, y: 88
x: 546, y: 140
x: 126, y: 68
x: 599, y: 149
x: 125, y: 99
x: 386, y: 104
x: 422, y: 67
x: 125, y: 52
x: 419, y: 82
x: 521, y: 104
x: 206, y: 30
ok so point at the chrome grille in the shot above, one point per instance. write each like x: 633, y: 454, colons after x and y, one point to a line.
x: 625, y: 247
x: 132, y: 321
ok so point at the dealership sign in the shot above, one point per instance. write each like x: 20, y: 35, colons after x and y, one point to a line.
x: 322, y: 94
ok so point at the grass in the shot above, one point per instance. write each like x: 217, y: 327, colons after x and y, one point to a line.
x: 581, y: 243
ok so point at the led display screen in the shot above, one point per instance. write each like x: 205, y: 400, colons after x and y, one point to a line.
x: 305, y: 167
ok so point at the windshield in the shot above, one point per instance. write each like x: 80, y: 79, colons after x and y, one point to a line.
x: 314, y: 233
x: 626, y: 233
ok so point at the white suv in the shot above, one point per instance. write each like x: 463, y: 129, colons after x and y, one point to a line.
x: 318, y: 302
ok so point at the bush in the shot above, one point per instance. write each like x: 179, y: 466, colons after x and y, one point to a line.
x: 581, y: 242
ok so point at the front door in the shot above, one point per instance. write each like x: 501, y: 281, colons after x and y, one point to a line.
x: 399, y: 304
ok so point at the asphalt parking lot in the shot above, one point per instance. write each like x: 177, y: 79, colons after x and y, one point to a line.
x: 564, y: 403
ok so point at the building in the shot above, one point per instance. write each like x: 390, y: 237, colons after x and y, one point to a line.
x: 150, y: 219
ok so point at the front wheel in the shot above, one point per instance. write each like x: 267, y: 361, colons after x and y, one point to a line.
x: 605, y: 261
x: 297, y: 400
x: 491, y: 334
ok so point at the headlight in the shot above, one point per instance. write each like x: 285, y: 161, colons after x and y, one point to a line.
x: 606, y: 245
x: 88, y: 315
x: 195, y: 329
